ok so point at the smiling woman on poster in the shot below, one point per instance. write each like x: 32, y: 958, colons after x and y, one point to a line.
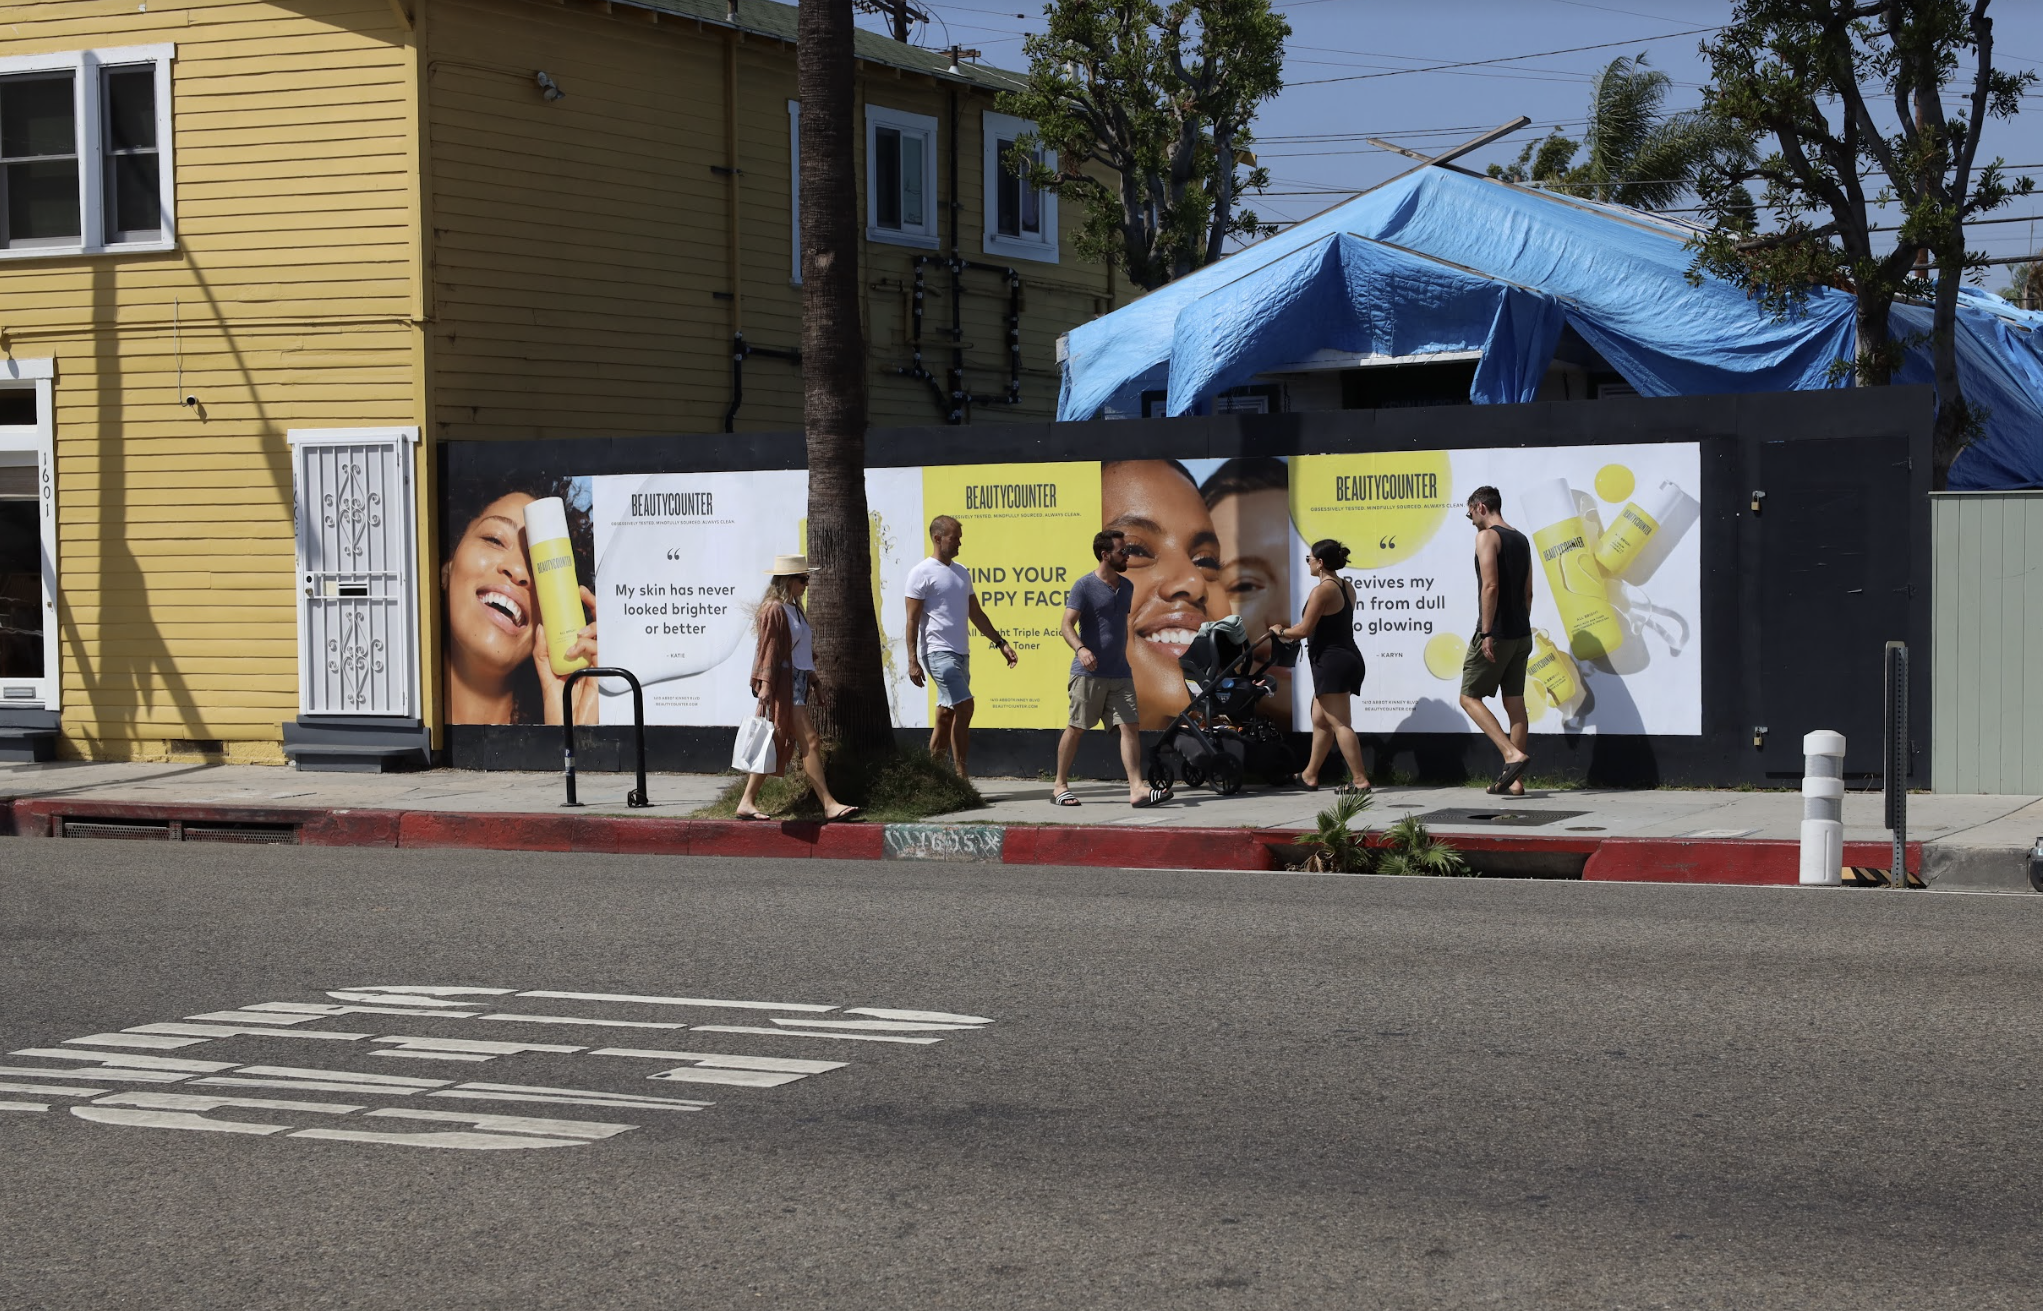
x: 498, y: 669
x: 1174, y: 563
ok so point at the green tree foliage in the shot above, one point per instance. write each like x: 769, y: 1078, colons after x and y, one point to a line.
x: 1633, y: 153
x: 1851, y: 94
x: 1162, y: 95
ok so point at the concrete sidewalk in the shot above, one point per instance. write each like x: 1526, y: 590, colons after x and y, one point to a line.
x: 1967, y: 842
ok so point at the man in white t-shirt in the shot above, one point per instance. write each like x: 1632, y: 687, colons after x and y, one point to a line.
x: 941, y: 601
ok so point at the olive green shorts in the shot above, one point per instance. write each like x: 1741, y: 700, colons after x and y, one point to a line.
x: 1481, y: 678
x: 1103, y: 701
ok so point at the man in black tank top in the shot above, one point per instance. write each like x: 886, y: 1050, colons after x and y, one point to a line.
x: 1503, y: 638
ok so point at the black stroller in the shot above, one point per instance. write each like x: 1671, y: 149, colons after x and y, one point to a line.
x: 1219, y: 737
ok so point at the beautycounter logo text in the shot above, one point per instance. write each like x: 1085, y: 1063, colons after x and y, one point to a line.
x: 1387, y: 487
x: 664, y: 505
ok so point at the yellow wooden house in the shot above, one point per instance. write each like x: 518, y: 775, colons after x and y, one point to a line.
x: 243, y: 242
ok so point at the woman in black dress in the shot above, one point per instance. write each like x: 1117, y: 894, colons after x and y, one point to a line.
x: 1328, y: 625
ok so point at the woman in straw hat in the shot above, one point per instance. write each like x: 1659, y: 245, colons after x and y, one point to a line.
x: 784, y: 680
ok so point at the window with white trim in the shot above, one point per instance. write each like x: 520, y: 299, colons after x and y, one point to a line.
x: 1020, y: 220
x: 28, y: 537
x: 85, y: 152
x: 900, y: 177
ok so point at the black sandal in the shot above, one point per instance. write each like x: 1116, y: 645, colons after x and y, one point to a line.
x: 1298, y: 780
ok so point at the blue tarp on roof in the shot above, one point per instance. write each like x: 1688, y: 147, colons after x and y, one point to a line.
x: 1439, y: 260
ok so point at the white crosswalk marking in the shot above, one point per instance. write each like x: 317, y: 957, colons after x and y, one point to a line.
x: 787, y: 1064
x: 154, y: 1042
x: 939, y: 1017
x: 243, y: 1030
x: 680, y: 1001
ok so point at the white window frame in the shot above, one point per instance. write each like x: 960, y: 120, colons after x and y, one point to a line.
x: 924, y: 237
x: 41, y: 376
x: 87, y: 90
x: 1042, y: 247
x: 794, y: 189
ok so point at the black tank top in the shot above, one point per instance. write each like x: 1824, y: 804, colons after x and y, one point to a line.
x: 1514, y: 565
x: 1336, y: 631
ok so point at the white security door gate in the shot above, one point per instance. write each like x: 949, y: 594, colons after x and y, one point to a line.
x: 357, y: 571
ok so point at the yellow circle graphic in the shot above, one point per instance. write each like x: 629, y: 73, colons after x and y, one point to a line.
x: 1535, y: 704
x: 1444, y: 655
x: 1382, y: 506
x: 1614, y: 483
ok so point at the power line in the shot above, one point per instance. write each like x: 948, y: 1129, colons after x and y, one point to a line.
x: 1505, y: 59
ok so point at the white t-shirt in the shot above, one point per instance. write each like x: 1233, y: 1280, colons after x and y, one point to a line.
x: 803, y: 652
x: 945, y: 591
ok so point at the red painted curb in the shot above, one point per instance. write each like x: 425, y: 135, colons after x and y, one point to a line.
x: 1742, y: 861
x: 1750, y: 862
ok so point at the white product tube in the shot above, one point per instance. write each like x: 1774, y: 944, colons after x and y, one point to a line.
x: 1822, y: 856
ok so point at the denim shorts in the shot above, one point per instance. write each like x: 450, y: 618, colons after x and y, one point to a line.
x: 952, y: 673
x: 802, y: 677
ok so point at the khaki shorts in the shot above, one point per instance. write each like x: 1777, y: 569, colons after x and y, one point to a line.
x: 1481, y: 678
x: 1107, y: 701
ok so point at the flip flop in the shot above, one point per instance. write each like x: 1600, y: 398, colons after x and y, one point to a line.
x: 1298, y: 780
x: 848, y: 815
x: 753, y: 816
x: 1156, y: 797
x: 1350, y: 790
x: 1510, y: 774
x: 1066, y: 798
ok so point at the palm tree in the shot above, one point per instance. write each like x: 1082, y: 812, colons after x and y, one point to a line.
x: 1635, y: 154
x: 833, y: 385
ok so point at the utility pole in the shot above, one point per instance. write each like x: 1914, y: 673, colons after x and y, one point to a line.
x: 898, y: 13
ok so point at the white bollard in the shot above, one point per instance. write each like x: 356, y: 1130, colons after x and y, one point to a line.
x: 1823, y: 808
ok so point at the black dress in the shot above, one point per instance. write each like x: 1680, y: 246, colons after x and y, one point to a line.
x: 1337, y: 665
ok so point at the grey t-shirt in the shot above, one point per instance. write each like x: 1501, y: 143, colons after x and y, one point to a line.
x: 1102, y: 624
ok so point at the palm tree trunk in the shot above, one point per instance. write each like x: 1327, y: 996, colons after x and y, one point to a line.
x: 834, y: 387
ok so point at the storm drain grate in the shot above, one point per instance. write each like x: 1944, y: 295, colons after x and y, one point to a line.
x: 1500, y: 816
x: 171, y: 830
x: 131, y: 829
x: 240, y: 832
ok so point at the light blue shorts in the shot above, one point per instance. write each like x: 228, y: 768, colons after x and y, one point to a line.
x: 801, y: 685
x: 953, y: 676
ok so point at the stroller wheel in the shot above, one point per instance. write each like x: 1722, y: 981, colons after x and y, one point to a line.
x: 1227, y: 775
x: 1161, y: 762
x: 1194, y: 776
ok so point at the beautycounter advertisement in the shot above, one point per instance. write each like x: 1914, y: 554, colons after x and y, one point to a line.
x: 662, y: 574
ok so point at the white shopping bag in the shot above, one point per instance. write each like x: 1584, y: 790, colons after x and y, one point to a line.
x: 754, y: 752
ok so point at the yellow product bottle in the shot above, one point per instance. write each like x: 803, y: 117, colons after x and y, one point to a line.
x: 553, y: 578
x: 1554, y: 670
x: 1561, y: 543
x: 1634, y: 528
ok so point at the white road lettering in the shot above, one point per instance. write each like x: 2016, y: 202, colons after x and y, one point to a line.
x: 476, y: 1057
x: 125, y: 1060
x: 243, y: 1030
x: 576, y: 1019
x: 24, y: 1106
x: 157, y: 1101
x: 888, y: 1026
x: 315, y: 1008
x: 590, y: 1129
x: 638, y: 1099
x: 398, y: 999
x: 786, y: 1064
x: 255, y: 1017
x: 314, y: 1085
x: 153, y: 1041
x: 118, y: 1076
x: 42, y: 1091
x: 730, y: 1078
x: 474, y: 1142
x: 473, y: 1045
x: 679, y: 1001
x: 433, y: 991
x: 171, y: 1120
x: 803, y: 1033
x: 343, y: 1076
x: 939, y: 1017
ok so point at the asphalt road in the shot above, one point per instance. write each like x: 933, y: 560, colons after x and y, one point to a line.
x: 1194, y: 1090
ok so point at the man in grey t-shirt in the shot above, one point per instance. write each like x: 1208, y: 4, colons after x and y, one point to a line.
x: 1102, y: 685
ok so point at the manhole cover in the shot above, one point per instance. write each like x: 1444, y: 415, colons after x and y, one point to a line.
x: 1500, y: 816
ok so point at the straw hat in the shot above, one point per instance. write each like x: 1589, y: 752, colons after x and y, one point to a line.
x: 790, y: 564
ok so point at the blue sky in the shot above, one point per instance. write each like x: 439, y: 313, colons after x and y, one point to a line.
x: 1357, y: 68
